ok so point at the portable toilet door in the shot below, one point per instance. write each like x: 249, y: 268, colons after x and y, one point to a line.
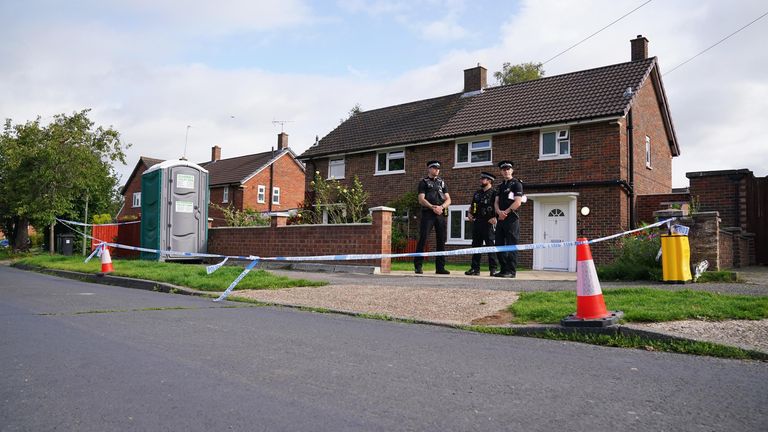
x: 187, y: 215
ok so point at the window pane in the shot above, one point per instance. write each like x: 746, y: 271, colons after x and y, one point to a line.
x: 396, y: 164
x: 462, y: 152
x: 481, y: 156
x: 397, y: 155
x: 467, y: 230
x: 481, y: 145
x: 565, y: 147
x: 382, y: 162
x: 455, y: 231
x: 548, y: 141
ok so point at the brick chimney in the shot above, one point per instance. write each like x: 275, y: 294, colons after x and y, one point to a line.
x: 475, y: 79
x: 282, y: 141
x: 639, y: 48
x: 215, y: 153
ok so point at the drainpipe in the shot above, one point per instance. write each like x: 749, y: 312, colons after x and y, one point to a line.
x: 631, y: 173
x: 271, y: 180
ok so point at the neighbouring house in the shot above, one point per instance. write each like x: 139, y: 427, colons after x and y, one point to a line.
x: 131, y: 192
x: 585, y: 144
x: 271, y: 181
x: 267, y: 182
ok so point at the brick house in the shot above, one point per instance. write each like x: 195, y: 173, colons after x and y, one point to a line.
x: 131, y: 192
x: 585, y: 144
x: 271, y: 181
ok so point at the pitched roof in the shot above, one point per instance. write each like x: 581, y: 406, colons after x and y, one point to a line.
x: 239, y: 169
x: 147, y: 162
x: 582, y: 95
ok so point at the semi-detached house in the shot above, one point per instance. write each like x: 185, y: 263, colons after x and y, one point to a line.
x: 585, y: 144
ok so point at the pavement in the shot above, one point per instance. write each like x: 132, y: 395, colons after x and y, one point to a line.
x: 89, y: 357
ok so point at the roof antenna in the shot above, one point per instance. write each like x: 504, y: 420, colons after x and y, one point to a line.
x: 186, y: 138
x: 281, y: 123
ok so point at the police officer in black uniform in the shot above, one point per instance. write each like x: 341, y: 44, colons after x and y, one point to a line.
x: 434, y: 200
x: 482, y: 214
x: 508, y: 199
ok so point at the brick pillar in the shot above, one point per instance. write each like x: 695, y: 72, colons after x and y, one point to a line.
x: 382, y: 235
x: 278, y: 219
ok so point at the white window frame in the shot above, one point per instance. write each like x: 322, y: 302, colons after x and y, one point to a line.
x: 136, y: 199
x: 261, y: 194
x: 389, y: 154
x: 469, y: 142
x: 276, y: 194
x: 648, y: 152
x: 336, y: 162
x: 455, y: 240
x: 225, y: 195
x: 561, y: 135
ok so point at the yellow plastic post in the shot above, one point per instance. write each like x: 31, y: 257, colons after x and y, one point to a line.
x: 675, y: 258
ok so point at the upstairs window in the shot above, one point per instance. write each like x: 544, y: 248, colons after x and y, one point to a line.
x: 225, y: 195
x: 275, y: 195
x: 555, y: 144
x: 137, y: 199
x: 390, y: 162
x: 261, y: 196
x: 647, y: 151
x: 336, y: 168
x: 474, y: 153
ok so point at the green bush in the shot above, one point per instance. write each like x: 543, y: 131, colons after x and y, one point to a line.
x: 635, y: 260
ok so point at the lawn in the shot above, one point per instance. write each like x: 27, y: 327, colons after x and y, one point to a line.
x: 187, y: 275
x: 644, y: 305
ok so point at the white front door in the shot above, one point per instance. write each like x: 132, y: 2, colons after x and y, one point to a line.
x: 556, y: 229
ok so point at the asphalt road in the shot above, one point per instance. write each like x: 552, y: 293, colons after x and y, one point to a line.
x: 78, y: 356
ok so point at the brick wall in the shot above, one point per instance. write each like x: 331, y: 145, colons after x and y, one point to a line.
x: 133, y: 187
x: 725, y: 250
x: 647, y: 121
x: 216, y: 195
x: 720, y: 193
x: 308, y: 240
x: 647, y: 204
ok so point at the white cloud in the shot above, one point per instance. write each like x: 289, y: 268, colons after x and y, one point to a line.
x: 444, y: 31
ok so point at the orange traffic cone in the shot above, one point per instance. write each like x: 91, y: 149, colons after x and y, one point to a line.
x: 590, y: 305
x: 106, y: 261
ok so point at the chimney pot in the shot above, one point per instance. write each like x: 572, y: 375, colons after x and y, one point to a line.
x: 282, y: 141
x: 215, y: 153
x: 639, y: 48
x: 475, y: 79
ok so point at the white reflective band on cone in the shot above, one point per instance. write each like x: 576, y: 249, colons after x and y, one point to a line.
x: 587, y: 283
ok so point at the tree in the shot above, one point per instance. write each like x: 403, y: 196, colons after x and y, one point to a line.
x: 355, y: 110
x: 48, y: 171
x: 512, y: 74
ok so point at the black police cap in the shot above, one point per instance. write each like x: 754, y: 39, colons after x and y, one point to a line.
x: 433, y: 164
x: 506, y: 164
x: 487, y: 175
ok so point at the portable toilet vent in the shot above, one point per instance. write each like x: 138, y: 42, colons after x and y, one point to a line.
x: 174, y: 210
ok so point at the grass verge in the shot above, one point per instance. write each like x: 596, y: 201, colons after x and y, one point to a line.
x: 187, y: 275
x: 635, y: 342
x: 643, y: 305
x: 718, y: 276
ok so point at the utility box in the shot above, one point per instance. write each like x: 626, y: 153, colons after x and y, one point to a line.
x: 675, y: 258
x: 174, y: 210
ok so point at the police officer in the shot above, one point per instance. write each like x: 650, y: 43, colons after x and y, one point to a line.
x: 508, y: 199
x: 482, y: 214
x: 434, y: 201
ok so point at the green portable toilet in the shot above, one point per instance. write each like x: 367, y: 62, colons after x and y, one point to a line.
x: 174, y: 210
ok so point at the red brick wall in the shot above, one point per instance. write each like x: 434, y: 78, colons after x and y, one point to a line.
x: 307, y: 240
x: 718, y: 193
x: 216, y: 194
x: 647, y: 204
x: 647, y: 121
x: 725, y: 252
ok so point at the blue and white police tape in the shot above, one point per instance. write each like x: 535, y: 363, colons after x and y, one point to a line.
x: 105, y: 224
x: 96, y: 251
x: 350, y: 257
x: 237, y: 281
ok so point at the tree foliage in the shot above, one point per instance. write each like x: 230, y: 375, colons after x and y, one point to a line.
x: 242, y: 218
x: 48, y: 171
x: 512, y: 74
x: 341, y: 203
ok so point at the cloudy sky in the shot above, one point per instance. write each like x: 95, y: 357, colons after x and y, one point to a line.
x: 229, y: 68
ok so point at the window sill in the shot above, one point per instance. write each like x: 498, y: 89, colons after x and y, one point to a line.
x: 382, y: 173
x: 649, y: 167
x: 472, y: 165
x: 261, y: 202
x: 335, y: 178
x: 546, y: 158
x: 459, y: 242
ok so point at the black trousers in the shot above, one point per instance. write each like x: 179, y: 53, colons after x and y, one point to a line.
x: 508, y: 233
x: 483, y: 232
x: 428, y: 220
